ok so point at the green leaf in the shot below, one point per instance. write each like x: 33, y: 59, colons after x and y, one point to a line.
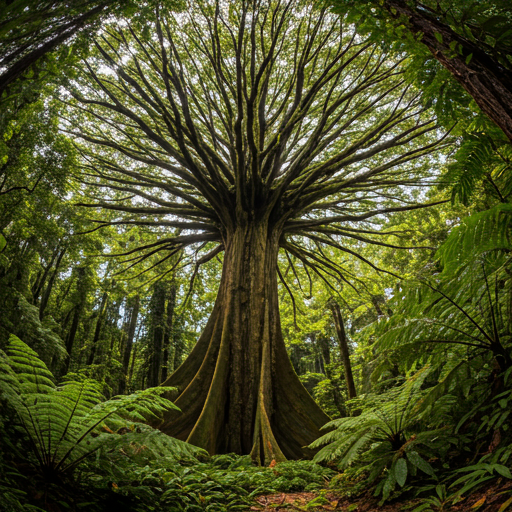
x: 415, y: 459
x: 502, y: 470
x: 477, y: 234
x: 401, y: 472
x: 422, y: 507
x: 493, y: 21
x: 389, y: 485
x: 468, y: 58
x: 3, y: 242
x: 439, y: 37
x: 473, y: 484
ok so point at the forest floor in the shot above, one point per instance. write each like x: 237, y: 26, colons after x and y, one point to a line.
x: 495, y: 497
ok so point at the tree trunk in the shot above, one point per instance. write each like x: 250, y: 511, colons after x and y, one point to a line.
x: 132, y: 365
x: 157, y: 311
x: 97, y: 331
x: 77, y: 312
x: 129, y: 343
x: 48, y: 291
x: 171, y: 304
x: 345, y: 357
x: 37, y: 287
x: 337, y: 395
x: 489, y: 83
x: 237, y: 389
x: 178, y: 345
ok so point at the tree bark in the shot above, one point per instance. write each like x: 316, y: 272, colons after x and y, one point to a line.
x: 157, y: 312
x: 38, y: 286
x: 237, y: 389
x: 345, y: 357
x: 171, y: 304
x: 97, y: 331
x: 337, y: 394
x: 129, y: 343
x: 77, y: 312
x: 48, y: 291
x: 488, y: 82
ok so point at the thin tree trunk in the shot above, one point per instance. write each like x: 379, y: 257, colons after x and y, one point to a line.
x: 337, y: 394
x: 78, y: 308
x: 132, y: 366
x: 157, y: 334
x: 129, y: 343
x: 60, y: 300
x: 345, y: 357
x: 37, y: 288
x: 237, y: 389
x: 48, y: 291
x: 489, y: 83
x: 178, y: 346
x: 97, y: 331
x: 171, y: 304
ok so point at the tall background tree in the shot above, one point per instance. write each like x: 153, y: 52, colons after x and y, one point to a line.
x: 250, y: 128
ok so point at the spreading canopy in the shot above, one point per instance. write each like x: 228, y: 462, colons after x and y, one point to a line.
x: 249, y: 127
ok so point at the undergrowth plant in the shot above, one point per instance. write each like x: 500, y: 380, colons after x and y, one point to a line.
x: 383, y: 441
x: 64, y: 424
x: 223, y: 483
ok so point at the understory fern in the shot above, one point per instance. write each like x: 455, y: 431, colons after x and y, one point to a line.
x: 66, y: 423
x: 382, y: 438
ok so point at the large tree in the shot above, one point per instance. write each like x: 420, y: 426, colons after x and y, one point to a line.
x: 252, y: 129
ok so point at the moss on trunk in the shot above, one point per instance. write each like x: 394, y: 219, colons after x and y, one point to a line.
x: 237, y: 389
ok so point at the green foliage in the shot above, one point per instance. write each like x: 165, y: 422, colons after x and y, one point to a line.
x: 478, y: 234
x: 440, y: 502
x: 483, y: 158
x: 223, y: 483
x: 459, y: 315
x: 384, y: 439
x: 64, y: 424
x: 325, y: 393
x: 41, y: 334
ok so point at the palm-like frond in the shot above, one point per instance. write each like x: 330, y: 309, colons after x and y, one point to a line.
x: 386, y: 420
x: 482, y: 159
x: 32, y: 373
x: 455, y: 318
x: 479, y: 233
x: 63, y: 423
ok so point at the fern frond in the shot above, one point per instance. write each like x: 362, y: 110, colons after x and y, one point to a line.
x: 63, y: 423
x: 140, y: 440
x: 33, y: 375
x: 479, y: 233
x: 386, y: 417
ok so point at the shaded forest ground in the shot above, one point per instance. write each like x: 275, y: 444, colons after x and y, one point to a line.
x: 494, y: 497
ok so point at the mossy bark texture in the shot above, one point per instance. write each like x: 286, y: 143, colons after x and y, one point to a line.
x: 238, y: 391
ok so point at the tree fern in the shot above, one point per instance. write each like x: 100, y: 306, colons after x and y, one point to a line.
x: 462, y: 315
x: 385, y: 418
x: 381, y: 435
x: 65, y: 423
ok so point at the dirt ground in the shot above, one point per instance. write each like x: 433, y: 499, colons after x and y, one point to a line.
x: 496, y: 497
